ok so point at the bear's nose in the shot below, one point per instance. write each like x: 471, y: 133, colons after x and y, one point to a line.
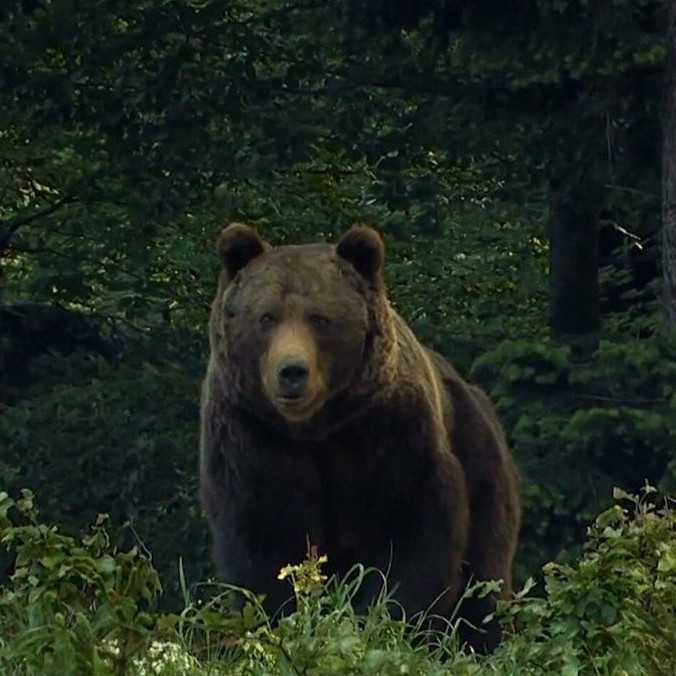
x: 293, y: 377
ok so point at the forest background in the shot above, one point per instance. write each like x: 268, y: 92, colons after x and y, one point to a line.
x: 511, y: 153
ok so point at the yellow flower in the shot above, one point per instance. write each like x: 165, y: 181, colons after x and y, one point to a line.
x: 286, y: 572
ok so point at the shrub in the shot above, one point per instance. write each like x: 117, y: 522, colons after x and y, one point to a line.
x: 613, y: 611
x: 580, y: 428
x: 94, y: 437
x: 75, y: 606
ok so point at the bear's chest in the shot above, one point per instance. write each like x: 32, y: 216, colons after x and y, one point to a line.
x: 366, y: 487
x: 365, y: 468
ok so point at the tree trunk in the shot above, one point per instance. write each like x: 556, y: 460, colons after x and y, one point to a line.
x: 669, y: 177
x: 574, y: 262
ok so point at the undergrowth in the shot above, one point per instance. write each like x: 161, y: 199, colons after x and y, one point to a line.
x: 81, y: 606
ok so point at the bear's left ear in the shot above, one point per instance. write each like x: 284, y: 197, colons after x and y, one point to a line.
x: 364, y: 248
x: 238, y: 245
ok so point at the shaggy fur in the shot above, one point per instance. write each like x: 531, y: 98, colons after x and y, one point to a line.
x: 391, y: 459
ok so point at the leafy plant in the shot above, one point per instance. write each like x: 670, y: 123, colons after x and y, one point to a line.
x: 613, y: 611
x: 75, y: 606
x: 580, y: 428
x: 138, y: 462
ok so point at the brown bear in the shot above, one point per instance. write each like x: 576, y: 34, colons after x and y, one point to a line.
x: 324, y: 419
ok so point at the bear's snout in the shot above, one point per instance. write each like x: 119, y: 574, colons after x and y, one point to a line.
x: 292, y: 376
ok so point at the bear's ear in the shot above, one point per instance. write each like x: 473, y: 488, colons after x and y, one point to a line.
x: 363, y: 247
x: 238, y: 245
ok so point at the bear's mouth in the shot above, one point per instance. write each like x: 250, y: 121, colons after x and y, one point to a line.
x: 297, y: 408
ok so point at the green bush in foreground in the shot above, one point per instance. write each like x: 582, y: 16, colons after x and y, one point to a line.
x: 81, y: 607
x: 614, y: 611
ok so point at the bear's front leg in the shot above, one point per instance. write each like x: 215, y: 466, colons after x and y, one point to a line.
x: 263, y: 505
x: 425, y: 540
x: 398, y: 502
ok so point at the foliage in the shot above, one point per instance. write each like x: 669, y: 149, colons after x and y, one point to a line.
x: 82, y: 606
x: 123, y: 150
x: 580, y: 428
x: 613, y: 611
x: 69, y: 595
x: 138, y: 461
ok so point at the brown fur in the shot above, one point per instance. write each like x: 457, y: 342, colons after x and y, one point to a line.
x: 388, y: 457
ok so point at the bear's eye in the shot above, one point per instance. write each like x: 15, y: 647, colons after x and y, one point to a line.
x: 266, y: 319
x: 320, y: 321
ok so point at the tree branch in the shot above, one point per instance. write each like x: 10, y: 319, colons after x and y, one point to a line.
x: 10, y: 227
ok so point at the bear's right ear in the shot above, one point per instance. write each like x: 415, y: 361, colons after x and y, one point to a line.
x: 238, y: 245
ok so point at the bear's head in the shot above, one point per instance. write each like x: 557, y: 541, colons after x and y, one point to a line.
x: 299, y: 330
